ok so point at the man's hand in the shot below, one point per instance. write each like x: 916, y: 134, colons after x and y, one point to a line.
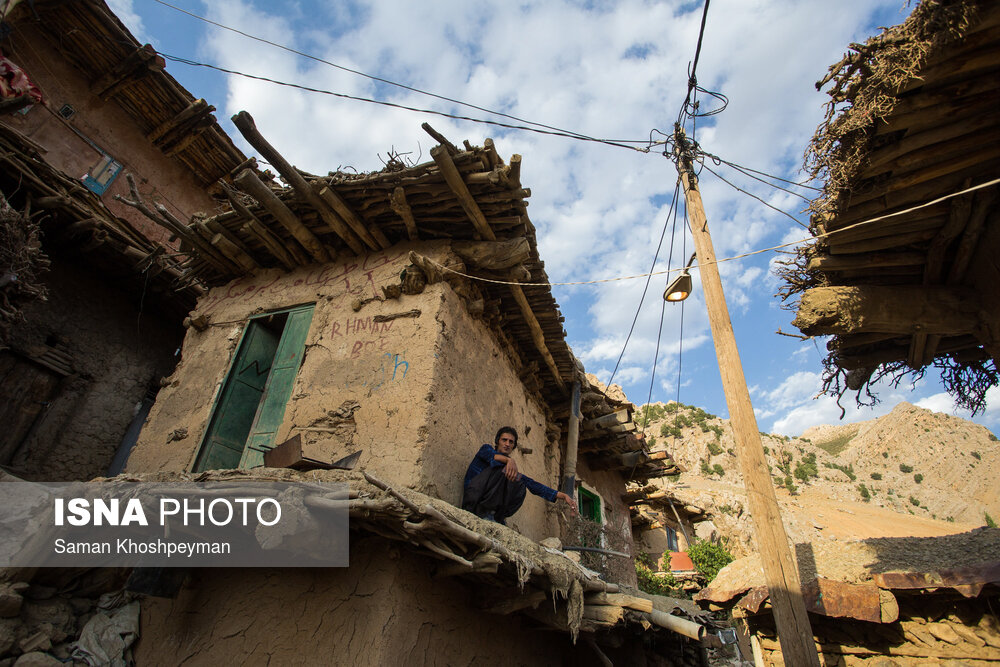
x: 566, y: 499
x: 510, y: 470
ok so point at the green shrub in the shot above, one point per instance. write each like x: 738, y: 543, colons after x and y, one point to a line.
x: 977, y: 456
x: 792, y: 489
x: 918, y: 478
x: 767, y: 450
x: 885, y: 455
x: 905, y: 468
x: 705, y: 468
x: 709, y: 558
x: 993, y: 437
x: 718, y: 470
x: 652, y: 441
x: 865, y: 493
x: 649, y: 582
x: 726, y: 509
x: 671, y: 408
x: 876, y: 475
x: 714, y: 449
x: 950, y: 519
x: 847, y: 470
x: 914, y: 501
x: 804, y: 471
x: 990, y: 523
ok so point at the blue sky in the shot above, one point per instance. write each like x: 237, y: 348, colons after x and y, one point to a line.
x: 610, y: 70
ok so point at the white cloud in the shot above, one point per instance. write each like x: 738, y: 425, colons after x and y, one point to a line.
x: 124, y: 10
x: 615, y: 71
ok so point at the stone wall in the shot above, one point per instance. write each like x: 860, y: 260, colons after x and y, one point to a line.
x: 117, y: 354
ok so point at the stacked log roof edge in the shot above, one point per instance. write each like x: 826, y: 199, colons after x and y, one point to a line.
x: 914, y: 116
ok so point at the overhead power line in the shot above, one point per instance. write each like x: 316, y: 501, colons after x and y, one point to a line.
x: 552, y: 129
x: 394, y: 105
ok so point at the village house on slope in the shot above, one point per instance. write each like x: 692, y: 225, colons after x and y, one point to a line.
x: 349, y: 311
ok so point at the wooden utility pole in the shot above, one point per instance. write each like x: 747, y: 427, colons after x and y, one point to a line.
x: 780, y: 573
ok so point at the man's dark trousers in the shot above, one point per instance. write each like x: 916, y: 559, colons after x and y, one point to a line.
x: 491, y: 493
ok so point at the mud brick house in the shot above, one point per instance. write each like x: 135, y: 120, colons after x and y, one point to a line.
x: 402, y: 315
x: 84, y: 104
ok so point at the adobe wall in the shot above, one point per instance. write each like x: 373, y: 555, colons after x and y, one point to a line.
x: 386, y: 609
x: 360, y: 381
x: 416, y: 394
x: 476, y: 391
x: 116, y: 354
x: 159, y: 178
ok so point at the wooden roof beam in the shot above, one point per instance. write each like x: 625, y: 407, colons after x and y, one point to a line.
x: 196, y: 110
x: 133, y: 67
x: 257, y: 189
x: 245, y: 124
x: 973, y: 226
x: 536, y: 333
x: 397, y: 200
x: 461, y: 191
x: 874, y: 260
x: 899, y: 309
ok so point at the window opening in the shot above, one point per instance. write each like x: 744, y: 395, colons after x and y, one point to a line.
x: 671, y: 539
x: 251, y: 404
x: 102, y: 175
x: 589, y: 504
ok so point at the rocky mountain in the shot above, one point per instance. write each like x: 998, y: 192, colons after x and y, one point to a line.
x: 932, y: 468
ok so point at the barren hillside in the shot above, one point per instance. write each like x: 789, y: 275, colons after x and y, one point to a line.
x: 911, y: 472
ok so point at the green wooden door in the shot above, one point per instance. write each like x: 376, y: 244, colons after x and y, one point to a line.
x: 241, y: 393
x: 278, y: 390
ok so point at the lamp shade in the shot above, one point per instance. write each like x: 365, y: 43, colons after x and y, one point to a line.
x: 679, y: 289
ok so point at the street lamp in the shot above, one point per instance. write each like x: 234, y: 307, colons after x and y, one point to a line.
x: 680, y: 288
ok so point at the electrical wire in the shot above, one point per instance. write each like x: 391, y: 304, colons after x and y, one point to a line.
x: 758, y: 178
x: 750, y: 194
x: 569, y: 135
x: 815, y: 237
x: 649, y: 276
x: 663, y: 308
x: 554, y: 130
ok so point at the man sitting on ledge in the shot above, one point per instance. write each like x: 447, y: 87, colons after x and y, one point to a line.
x: 494, y: 489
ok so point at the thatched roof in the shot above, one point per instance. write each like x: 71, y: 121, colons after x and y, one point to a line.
x: 914, y: 118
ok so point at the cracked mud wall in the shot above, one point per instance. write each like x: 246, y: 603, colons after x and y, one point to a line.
x: 475, y: 391
x: 417, y: 394
x: 359, y: 383
x: 117, y: 352
x: 385, y: 609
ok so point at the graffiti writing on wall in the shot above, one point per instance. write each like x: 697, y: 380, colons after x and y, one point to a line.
x: 391, y: 368
x: 353, y: 279
x: 369, y: 336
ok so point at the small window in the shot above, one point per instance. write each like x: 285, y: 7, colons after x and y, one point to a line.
x: 589, y: 504
x: 671, y: 538
x: 102, y: 174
